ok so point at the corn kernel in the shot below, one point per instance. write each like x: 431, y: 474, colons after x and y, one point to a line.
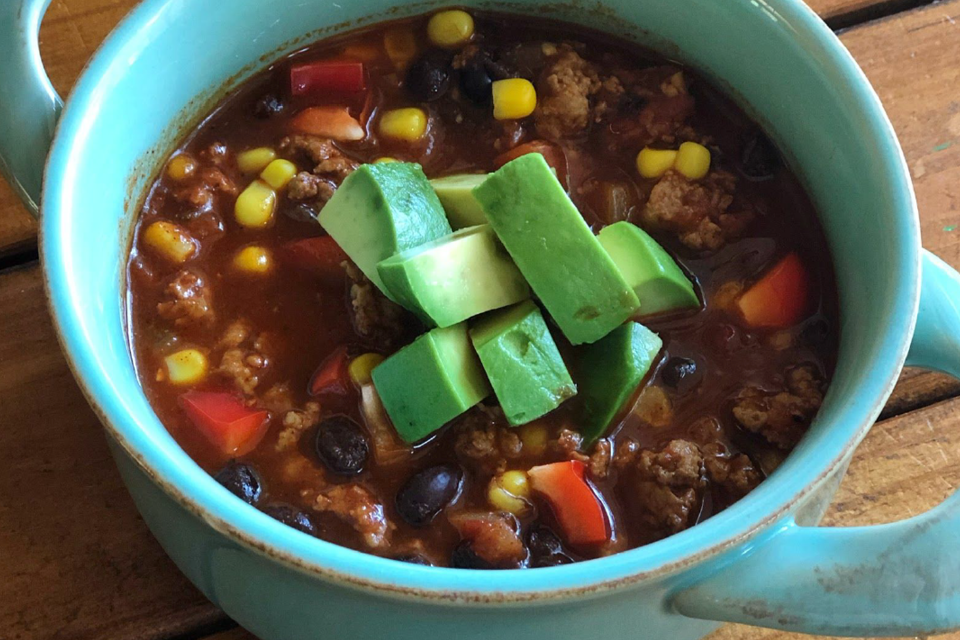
x: 534, y: 438
x: 255, y: 206
x: 450, y: 28
x: 513, y: 98
x: 181, y: 167
x: 279, y: 173
x: 385, y: 160
x: 171, y: 241
x: 253, y: 259
x: 404, y: 124
x: 361, y: 367
x: 693, y: 160
x: 255, y: 160
x: 186, y: 367
x: 653, y: 163
x: 510, y: 491
x: 401, y: 47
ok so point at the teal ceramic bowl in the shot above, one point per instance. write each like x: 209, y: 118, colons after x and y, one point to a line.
x: 761, y: 562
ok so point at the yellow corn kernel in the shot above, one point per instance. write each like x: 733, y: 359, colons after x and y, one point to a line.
x: 255, y: 160
x: 510, y: 491
x: 253, y: 259
x: 450, y: 28
x: 278, y: 173
x: 401, y: 46
x: 693, y: 160
x: 181, y: 167
x: 404, y: 124
x: 513, y: 98
x: 385, y: 160
x: 186, y: 367
x: 170, y: 240
x: 534, y: 438
x: 255, y: 206
x: 653, y: 163
x: 361, y: 367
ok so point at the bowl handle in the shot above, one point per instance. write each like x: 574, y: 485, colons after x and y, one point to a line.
x: 29, y: 105
x: 898, y: 579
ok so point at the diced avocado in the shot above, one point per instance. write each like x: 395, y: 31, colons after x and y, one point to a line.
x: 430, y: 382
x: 522, y: 362
x: 456, y: 195
x: 454, y: 278
x: 609, y: 372
x: 563, y: 261
x: 655, y: 277
x: 383, y: 209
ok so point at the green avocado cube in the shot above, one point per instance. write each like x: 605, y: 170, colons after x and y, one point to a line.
x: 658, y: 282
x: 609, y: 372
x: 430, y: 382
x: 563, y: 261
x: 456, y: 196
x: 383, y: 209
x: 522, y: 362
x: 454, y: 278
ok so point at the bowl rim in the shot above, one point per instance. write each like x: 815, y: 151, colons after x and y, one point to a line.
x: 199, y: 494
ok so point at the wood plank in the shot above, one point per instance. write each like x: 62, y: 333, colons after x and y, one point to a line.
x: 78, y: 562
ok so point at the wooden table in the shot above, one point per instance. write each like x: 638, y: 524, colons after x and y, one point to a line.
x: 77, y: 562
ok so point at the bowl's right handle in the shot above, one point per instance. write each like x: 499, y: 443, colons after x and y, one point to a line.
x: 899, y: 579
x: 29, y: 105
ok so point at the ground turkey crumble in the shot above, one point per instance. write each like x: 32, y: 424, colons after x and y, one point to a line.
x: 244, y: 357
x: 784, y: 415
x: 375, y: 318
x: 355, y: 505
x: 484, y: 444
x: 187, y: 300
x: 331, y: 167
x: 563, y: 92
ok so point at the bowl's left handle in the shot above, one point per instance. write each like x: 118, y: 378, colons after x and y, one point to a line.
x: 897, y: 579
x: 29, y: 105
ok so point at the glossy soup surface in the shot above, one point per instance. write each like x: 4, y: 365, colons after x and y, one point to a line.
x: 725, y: 402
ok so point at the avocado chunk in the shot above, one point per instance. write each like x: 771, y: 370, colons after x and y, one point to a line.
x: 456, y: 196
x: 563, y: 261
x: 609, y: 372
x: 522, y: 362
x: 383, y: 209
x: 430, y: 382
x: 656, y: 279
x: 454, y: 278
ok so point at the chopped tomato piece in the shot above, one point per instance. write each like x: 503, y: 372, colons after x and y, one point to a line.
x: 333, y: 375
x: 577, y: 508
x: 318, y: 257
x: 780, y: 298
x: 551, y: 152
x: 329, y: 122
x: 327, y: 76
x: 223, y: 418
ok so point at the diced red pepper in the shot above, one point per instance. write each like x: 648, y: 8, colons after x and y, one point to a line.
x: 230, y: 425
x: 327, y: 76
x: 320, y: 258
x: 551, y: 152
x: 577, y: 508
x: 329, y: 122
x: 333, y: 376
x: 780, y: 298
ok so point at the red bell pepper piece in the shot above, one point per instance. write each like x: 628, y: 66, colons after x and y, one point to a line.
x: 551, y: 152
x: 329, y: 122
x: 333, y: 375
x: 318, y: 257
x: 327, y: 76
x: 780, y: 298
x: 577, y: 508
x: 230, y: 425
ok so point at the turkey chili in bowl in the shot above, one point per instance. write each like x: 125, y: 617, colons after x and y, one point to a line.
x: 472, y: 291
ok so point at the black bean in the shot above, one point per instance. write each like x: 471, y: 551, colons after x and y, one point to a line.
x: 546, y: 549
x: 555, y: 560
x: 815, y: 332
x: 759, y: 159
x: 426, y: 493
x: 476, y: 82
x: 428, y: 78
x: 301, y: 212
x: 681, y: 374
x: 464, y: 557
x: 268, y: 106
x: 414, y: 558
x: 242, y: 480
x: 342, y: 446
x: 292, y: 517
